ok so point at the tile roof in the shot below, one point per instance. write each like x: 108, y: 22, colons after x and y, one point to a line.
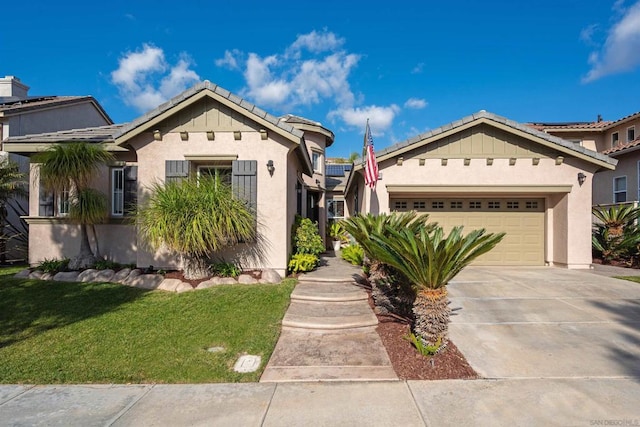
x: 12, y: 105
x: 622, y: 147
x: 496, y: 118
x: 243, y: 103
x: 91, y: 134
x: 625, y: 118
x: 290, y: 118
x: 571, y: 125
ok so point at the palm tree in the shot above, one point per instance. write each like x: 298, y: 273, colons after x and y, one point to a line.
x: 390, y: 289
x: 616, y: 217
x: 12, y: 185
x: 430, y: 260
x: 70, y: 167
x: 195, y: 218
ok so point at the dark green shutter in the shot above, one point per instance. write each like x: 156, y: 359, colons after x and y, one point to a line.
x: 176, y: 170
x: 130, y: 188
x: 244, y: 181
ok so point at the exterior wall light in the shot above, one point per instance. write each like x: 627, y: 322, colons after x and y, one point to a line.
x: 581, y: 178
x: 157, y: 135
x: 184, y: 135
x: 270, y: 167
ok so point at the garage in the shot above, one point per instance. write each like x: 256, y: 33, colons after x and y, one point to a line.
x: 522, y: 220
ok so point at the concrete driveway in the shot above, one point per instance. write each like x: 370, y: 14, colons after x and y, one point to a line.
x: 546, y: 323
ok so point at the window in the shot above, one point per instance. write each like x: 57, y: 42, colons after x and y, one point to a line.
x: 63, y: 203
x: 513, y: 205
x: 494, y: 205
x: 419, y: 205
x: 437, y: 205
x: 531, y: 205
x: 475, y: 205
x: 614, y: 139
x: 631, y: 133
x: 576, y: 142
x: 117, y: 191
x: 456, y: 205
x: 315, y: 161
x: 620, y: 189
x: 335, y: 209
x: 220, y: 173
x: 399, y: 205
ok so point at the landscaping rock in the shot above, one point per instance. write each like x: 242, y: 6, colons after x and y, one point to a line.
x: 121, y: 275
x: 247, y: 279
x: 270, y: 276
x: 66, y: 276
x: 146, y: 281
x: 88, y: 275
x: 36, y: 274
x: 227, y: 281
x: 23, y: 274
x: 133, y: 274
x: 104, y: 275
x: 184, y: 287
x: 207, y: 284
x: 169, y: 285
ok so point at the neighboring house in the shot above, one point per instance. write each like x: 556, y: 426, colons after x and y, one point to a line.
x: 619, y: 139
x: 337, y: 175
x: 21, y: 114
x: 276, y: 165
x: 485, y: 171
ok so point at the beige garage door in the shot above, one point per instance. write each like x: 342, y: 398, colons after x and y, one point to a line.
x: 521, y: 219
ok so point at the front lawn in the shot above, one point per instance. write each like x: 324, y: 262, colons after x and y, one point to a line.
x: 55, y: 332
x: 630, y: 278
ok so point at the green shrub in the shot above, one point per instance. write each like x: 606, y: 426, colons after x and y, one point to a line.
x: 307, y: 238
x: 301, y: 263
x: 225, y: 269
x: 53, y: 266
x: 105, y: 264
x: 423, y: 349
x: 353, y: 254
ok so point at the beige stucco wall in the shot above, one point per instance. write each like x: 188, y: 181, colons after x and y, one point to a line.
x: 316, y: 143
x: 568, y: 218
x: 272, y: 197
x: 603, y: 181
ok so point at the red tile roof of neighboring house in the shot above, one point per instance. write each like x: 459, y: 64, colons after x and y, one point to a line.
x: 570, y: 126
x: 622, y: 147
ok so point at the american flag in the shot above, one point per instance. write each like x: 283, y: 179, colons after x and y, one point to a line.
x: 370, y: 165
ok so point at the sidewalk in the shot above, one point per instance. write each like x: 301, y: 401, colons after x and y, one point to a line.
x: 531, y: 402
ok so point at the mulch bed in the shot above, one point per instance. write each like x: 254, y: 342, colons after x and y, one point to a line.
x: 447, y: 364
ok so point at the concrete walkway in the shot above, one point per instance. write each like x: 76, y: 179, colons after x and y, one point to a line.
x: 328, y: 332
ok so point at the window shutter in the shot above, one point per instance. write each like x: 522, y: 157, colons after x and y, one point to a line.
x: 176, y: 170
x: 244, y: 182
x: 46, y: 202
x: 130, y: 188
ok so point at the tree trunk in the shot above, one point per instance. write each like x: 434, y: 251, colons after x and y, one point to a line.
x: 84, y: 259
x: 431, y: 311
x: 194, y: 267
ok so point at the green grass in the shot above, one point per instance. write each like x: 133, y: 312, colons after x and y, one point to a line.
x: 56, y: 332
x: 630, y: 278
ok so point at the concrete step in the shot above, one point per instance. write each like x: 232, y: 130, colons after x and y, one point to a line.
x: 329, y: 315
x: 329, y: 355
x: 328, y: 291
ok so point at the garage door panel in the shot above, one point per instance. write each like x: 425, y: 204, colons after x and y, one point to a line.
x: 521, y: 220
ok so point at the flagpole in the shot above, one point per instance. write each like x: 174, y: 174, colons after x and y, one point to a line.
x: 364, y: 161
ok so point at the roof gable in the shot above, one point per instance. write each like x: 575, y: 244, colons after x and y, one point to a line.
x: 198, y: 92
x: 509, y: 126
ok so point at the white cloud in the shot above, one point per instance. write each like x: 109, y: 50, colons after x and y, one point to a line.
x: 316, y: 42
x: 230, y: 59
x: 380, y: 118
x: 142, y: 78
x: 620, y: 51
x: 415, y: 103
x: 587, y: 33
x: 418, y: 68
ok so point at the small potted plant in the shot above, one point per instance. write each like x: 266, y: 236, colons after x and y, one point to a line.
x: 337, y: 234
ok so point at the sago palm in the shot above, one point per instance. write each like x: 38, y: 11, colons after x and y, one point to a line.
x: 195, y: 218
x: 616, y: 218
x: 430, y: 260
x: 71, y: 167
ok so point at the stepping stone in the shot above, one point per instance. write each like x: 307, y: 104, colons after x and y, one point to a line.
x: 329, y: 315
x: 247, y: 363
x: 340, y: 291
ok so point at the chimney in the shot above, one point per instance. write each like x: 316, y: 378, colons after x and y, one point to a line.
x: 11, y: 86
x: 599, y: 118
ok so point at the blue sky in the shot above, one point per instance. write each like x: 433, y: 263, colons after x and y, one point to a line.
x: 408, y: 66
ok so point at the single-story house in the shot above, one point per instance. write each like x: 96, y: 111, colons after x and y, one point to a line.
x: 485, y: 171
x: 276, y: 164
